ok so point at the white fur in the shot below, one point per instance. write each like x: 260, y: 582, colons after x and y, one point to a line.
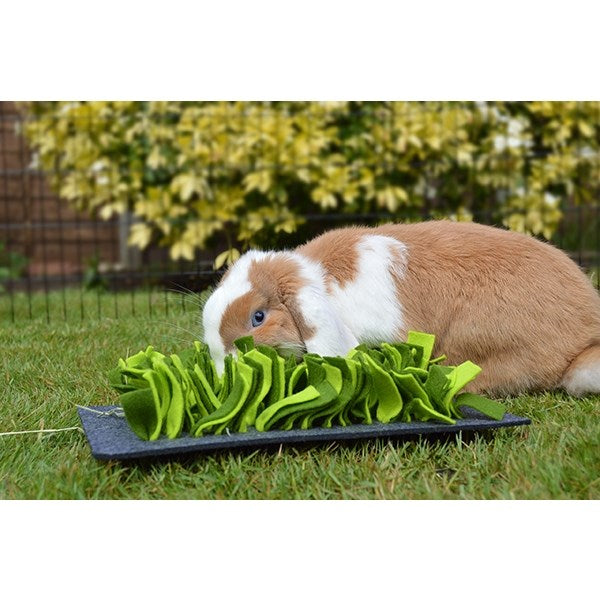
x: 369, y: 304
x: 235, y: 285
x: 584, y: 380
x: 333, y: 337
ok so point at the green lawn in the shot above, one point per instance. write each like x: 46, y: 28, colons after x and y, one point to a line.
x: 47, y: 368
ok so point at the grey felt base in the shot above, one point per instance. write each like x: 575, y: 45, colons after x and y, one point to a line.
x: 111, y: 438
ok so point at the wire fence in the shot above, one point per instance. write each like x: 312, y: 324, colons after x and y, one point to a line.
x: 57, y: 263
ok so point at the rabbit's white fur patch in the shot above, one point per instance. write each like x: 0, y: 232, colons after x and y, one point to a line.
x: 583, y: 375
x: 584, y: 380
x: 369, y: 304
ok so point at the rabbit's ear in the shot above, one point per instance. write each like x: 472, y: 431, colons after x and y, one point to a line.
x: 320, y: 327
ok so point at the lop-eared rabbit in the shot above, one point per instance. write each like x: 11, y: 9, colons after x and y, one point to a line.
x: 518, y: 307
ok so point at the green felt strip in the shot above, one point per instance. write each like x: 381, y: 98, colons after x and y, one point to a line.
x: 416, y: 353
x: 422, y: 412
x: 191, y: 400
x: 188, y: 358
x: 202, y: 400
x: 142, y: 413
x: 298, y: 379
x: 262, y: 366
x: 244, y: 344
x: 333, y: 376
x: 117, y: 381
x: 201, y: 347
x: 207, y: 396
x: 270, y: 414
x: 441, y: 358
x: 174, y: 420
x: 232, y: 404
x: 377, y: 355
x: 315, y: 372
x: 162, y: 386
x: 417, y: 371
x: 343, y: 385
x: 330, y: 389
x: 410, y: 388
x: 295, y: 416
x: 205, y: 361
x: 361, y: 404
x: 406, y: 353
x: 151, y: 353
x: 288, y: 372
x: 227, y: 378
x: 250, y: 375
x: 436, y: 385
x: 160, y: 396
x: 317, y: 376
x: 132, y: 372
x: 138, y: 361
x: 389, y: 401
x: 290, y: 362
x: 459, y: 377
x: 426, y: 341
x: 355, y: 365
x: 302, y: 415
x: 135, y: 383
x: 349, y: 371
x: 488, y: 407
x: 277, y: 391
x: 178, y: 367
x: 313, y: 413
x: 394, y: 359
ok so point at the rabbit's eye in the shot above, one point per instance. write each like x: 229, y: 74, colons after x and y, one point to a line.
x: 257, y: 318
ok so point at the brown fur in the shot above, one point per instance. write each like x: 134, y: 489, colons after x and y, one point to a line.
x: 275, y: 283
x: 337, y: 252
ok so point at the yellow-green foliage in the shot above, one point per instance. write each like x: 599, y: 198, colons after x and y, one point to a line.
x: 248, y: 171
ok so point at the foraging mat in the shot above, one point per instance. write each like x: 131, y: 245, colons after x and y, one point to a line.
x: 111, y: 438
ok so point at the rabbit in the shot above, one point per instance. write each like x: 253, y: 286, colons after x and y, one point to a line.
x: 518, y: 307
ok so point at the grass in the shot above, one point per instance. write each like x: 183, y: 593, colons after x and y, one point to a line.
x: 48, y: 368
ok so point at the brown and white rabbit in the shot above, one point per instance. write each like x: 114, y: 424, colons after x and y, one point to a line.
x: 517, y: 307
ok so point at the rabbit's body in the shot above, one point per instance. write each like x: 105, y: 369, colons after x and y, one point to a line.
x: 519, y: 308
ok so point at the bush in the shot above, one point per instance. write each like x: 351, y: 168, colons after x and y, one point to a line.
x: 248, y: 172
x: 12, y: 265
